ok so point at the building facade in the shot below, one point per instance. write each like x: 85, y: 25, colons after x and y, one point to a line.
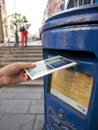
x: 53, y: 7
x: 3, y: 22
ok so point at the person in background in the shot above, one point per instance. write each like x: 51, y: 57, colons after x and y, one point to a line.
x: 24, y: 33
x: 14, y: 73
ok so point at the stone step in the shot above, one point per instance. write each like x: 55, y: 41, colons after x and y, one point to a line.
x: 24, y: 48
x: 21, y: 59
x: 19, y: 51
x: 27, y: 55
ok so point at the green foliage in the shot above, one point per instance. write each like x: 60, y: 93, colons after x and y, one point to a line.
x: 17, y: 18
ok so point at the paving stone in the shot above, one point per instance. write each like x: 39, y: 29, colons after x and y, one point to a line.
x: 14, y: 106
x: 38, y: 125
x: 42, y: 96
x: 7, y: 95
x: 28, y: 96
x: 23, y: 89
x: 17, y: 122
x: 37, y: 107
x: 0, y: 115
x: 1, y: 89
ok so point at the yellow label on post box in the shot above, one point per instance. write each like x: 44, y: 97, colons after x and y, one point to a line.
x: 72, y: 87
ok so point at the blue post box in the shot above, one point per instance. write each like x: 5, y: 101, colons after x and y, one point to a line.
x: 71, y: 95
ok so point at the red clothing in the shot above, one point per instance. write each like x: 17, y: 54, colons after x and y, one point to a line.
x: 24, y: 38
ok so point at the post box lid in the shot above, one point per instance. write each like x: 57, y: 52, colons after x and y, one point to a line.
x: 78, y: 15
x: 83, y: 38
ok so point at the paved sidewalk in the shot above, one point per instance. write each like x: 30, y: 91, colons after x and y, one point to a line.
x: 21, y: 108
x: 33, y: 43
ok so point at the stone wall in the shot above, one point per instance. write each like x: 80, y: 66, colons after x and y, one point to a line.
x: 3, y: 29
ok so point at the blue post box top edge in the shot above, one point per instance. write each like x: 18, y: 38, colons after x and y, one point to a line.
x: 87, y: 15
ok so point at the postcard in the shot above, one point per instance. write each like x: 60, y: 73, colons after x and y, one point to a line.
x: 49, y: 66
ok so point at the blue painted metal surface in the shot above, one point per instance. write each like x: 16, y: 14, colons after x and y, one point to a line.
x: 81, y: 22
x: 73, y: 34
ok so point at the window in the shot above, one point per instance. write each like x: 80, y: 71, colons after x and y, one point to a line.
x: 72, y: 3
x: 87, y: 2
x: 75, y: 3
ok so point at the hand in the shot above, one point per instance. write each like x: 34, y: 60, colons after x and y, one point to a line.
x: 14, y: 73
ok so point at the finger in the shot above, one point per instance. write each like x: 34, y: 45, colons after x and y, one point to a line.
x: 26, y: 65
x: 26, y: 78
